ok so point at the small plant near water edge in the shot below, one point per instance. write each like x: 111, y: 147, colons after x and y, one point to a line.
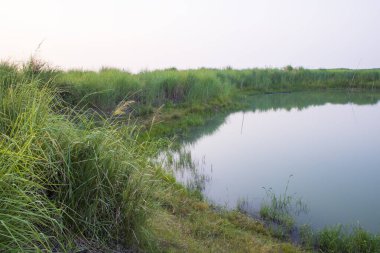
x: 279, y: 211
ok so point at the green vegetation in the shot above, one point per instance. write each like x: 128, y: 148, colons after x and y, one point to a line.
x: 76, y: 153
x: 72, y: 180
x: 108, y: 87
x: 65, y: 179
x: 279, y: 212
x: 349, y: 239
x: 182, y: 99
x: 185, y: 223
x: 187, y: 120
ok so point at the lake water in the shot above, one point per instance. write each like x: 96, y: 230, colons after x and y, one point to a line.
x: 328, y: 142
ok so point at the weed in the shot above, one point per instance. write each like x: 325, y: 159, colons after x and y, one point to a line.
x: 280, y: 210
x: 64, y: 176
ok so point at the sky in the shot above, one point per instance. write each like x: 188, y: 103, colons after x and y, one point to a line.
x: 153, y: 34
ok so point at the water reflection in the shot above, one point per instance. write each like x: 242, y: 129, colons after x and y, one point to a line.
x: 285, y: 101
x: 328, y: 141
x: 191, y: 172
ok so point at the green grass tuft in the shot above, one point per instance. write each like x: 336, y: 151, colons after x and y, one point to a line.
x: 65, y: 177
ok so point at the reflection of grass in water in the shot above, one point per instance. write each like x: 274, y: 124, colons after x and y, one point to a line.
x: 279, y: 211
x: 279, y: 101
x: 180, y: 161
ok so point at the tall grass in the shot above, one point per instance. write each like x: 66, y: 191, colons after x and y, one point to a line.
x: 63, y: 177
x: 291, y: 78
x: 25, y: 210
x: 108, y: 87
x: 340, y: 239
x: 103, y: 89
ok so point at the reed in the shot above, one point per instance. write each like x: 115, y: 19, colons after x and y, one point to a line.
x: 65, y: 177
x: 108, y: 87
x: 338, y: 238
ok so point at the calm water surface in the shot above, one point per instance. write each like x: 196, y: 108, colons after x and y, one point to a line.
x: 329, y: 142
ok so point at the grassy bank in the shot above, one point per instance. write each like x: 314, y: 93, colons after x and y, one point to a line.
x: 107, y: 88
x: 169, y: 95
x: 71, y: 180
x: 74, y: 177
x: 66, y: 182
x: 173, y: 87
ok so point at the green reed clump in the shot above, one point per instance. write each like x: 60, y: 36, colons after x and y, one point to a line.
x: 64, y: 177
x: 348, y: 239
x: 107, y: 88
x: 25, y: 211
x: 33, y: 69
x: 291, y: 78
x: 280, y: 210
x: 103, y: 90
x: 185, y: 86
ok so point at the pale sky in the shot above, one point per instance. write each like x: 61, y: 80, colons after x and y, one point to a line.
x: 151, y: 34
